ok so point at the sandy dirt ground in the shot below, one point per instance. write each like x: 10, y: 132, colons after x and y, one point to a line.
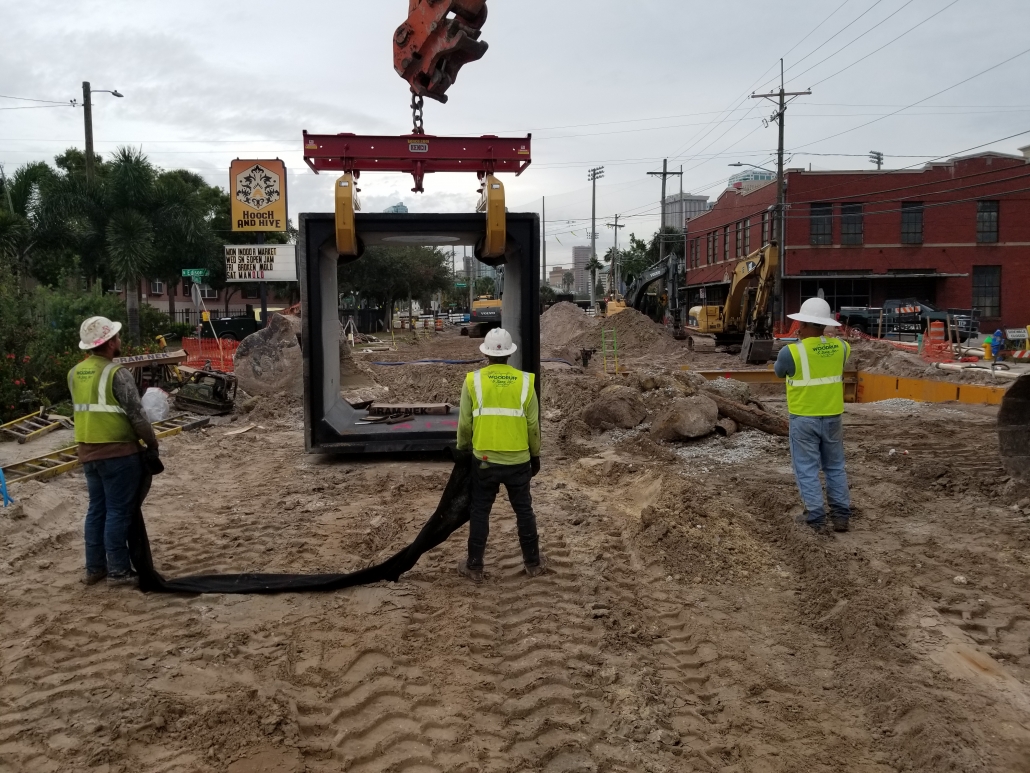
x: 687, y: 625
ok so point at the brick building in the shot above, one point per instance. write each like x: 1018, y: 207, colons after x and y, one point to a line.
x: 235, y: 297
x: 954, y: 233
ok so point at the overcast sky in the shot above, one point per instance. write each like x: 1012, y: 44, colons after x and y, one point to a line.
x: 600, y: 83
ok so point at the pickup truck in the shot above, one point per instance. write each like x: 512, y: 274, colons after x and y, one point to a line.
x: 907, y: 316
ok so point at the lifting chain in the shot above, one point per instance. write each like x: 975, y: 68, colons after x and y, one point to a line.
x: 416, y: 114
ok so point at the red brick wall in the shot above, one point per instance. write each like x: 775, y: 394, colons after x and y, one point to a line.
x: 948, y: 191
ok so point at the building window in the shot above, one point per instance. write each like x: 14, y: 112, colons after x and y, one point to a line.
x: 765, y: 228
x: 837, y: 292
x: 850, y: 223
x: 986, y: 222
x: 911, y: 222
x: 157, y: 287
x: 207, y: 293
x: 747, y: 237
x: 187, y: 287
x: 821, y: 229
x: 250, y: 293
x: 987, y: 290
x: 726, y: 243
x: 738, y: 239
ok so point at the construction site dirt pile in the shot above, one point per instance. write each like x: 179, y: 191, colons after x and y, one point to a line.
x: 636, y: 335
x: 883, y: 357
x: 563, y: 322
x: 270, y: 361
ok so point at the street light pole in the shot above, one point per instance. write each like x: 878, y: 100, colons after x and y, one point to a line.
x: 87, y: 114
x: 593, y: 175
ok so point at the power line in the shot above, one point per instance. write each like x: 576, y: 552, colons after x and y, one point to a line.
x: 857, y: 61
x: 925, y: 99
x: 35, y: 107
x: 48, y: 101
x: 854, y: 40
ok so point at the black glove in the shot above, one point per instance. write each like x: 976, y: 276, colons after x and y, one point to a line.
x: 152, y: 462
x: 534, y: 462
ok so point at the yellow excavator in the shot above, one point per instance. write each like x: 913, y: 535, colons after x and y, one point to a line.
x: 744, y: 319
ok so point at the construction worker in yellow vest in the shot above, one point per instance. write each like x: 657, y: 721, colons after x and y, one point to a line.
x: 500, y: 421
x: 110, y: 426
x: 814, y: 369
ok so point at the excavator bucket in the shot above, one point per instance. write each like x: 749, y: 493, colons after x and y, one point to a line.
x: 1014, y: 429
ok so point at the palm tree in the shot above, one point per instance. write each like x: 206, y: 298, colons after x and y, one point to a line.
x: 568, y: 279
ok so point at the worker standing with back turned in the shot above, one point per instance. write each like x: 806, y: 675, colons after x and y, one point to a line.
x: 500, y: 421
x: 109, y: 425
x: 814, y: 369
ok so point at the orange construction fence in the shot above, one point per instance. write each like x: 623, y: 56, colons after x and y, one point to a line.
x: 210, y: 353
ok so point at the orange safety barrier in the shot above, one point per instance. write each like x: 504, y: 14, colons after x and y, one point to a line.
x: 210, y: 353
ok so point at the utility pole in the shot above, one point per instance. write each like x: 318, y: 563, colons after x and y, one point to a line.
x: 665, y: 174
x: 876, y: 157
x: 615, y: 269
x: 87, y: 112
x: 780, y: 99
x: 593, y: 175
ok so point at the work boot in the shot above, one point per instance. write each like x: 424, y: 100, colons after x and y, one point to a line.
x: 128, y: 579
x: 474, y: 573
x: 537, y: 569
x: 819, y: 526
x: 840, y: 522
x: 92, y: 578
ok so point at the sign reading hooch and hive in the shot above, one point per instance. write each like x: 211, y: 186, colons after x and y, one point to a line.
x: 260, y: 263
x: 258, y: 195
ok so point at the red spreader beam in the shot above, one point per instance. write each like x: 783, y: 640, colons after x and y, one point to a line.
x: 416, y: 154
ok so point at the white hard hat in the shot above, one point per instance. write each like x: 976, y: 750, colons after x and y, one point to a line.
x: 97, y: 331
x: 815, y: 311
x: 498, y: 343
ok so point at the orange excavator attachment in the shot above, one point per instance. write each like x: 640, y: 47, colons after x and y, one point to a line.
x: 438, y: 37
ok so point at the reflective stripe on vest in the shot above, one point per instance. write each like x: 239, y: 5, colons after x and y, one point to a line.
x: 498, y: 422
x: 98, y: 416
x: 813, y: 391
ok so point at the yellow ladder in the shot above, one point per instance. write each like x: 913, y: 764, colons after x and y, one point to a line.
x: 610, y: 349
x: 33, y: 426
x: 60, y: 461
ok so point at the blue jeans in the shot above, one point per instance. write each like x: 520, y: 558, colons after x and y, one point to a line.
x: 112, y: 486
x: 817, y: 443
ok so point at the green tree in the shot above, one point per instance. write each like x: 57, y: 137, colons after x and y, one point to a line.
x: 568, y: 280
x: 592, y: 267
x: 634, y: 260
x: 485, y: 285
x: 674, y: 243
x: 385, y: 275
x: 547, y: 294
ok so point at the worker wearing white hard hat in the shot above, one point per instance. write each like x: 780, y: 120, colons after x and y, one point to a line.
x: 814, y: 370
x: 110, y: 426
x: 499, y: 420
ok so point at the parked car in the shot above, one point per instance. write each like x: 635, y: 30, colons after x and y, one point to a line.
x: 233, y: 328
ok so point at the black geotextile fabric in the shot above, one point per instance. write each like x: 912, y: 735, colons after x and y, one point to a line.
x: 451, y: 514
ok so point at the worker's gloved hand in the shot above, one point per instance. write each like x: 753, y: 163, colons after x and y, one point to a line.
x: 534, y: 462
x: 152, y: 461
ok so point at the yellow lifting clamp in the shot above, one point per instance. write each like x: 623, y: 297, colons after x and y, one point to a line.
x: 346, y: 205
x: 492, y: 203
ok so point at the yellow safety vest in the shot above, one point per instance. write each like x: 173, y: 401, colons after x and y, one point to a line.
x: 817, y: 386
x: 98, y: 416
x: 500, y: 397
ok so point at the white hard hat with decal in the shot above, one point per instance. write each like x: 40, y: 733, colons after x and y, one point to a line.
x: 97, y: 331
x: 498, y: 343
x: 815, y: 311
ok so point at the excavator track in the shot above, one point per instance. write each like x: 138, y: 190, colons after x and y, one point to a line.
x: 61, y: 461
x: 701, y: 343
x: 1014, y: 429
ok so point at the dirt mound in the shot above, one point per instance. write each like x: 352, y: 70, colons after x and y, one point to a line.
x: 616, y: 406
x: 420, y: 383
x: 635, y: 334
x: 567, y: 393
x: 563, y: 322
